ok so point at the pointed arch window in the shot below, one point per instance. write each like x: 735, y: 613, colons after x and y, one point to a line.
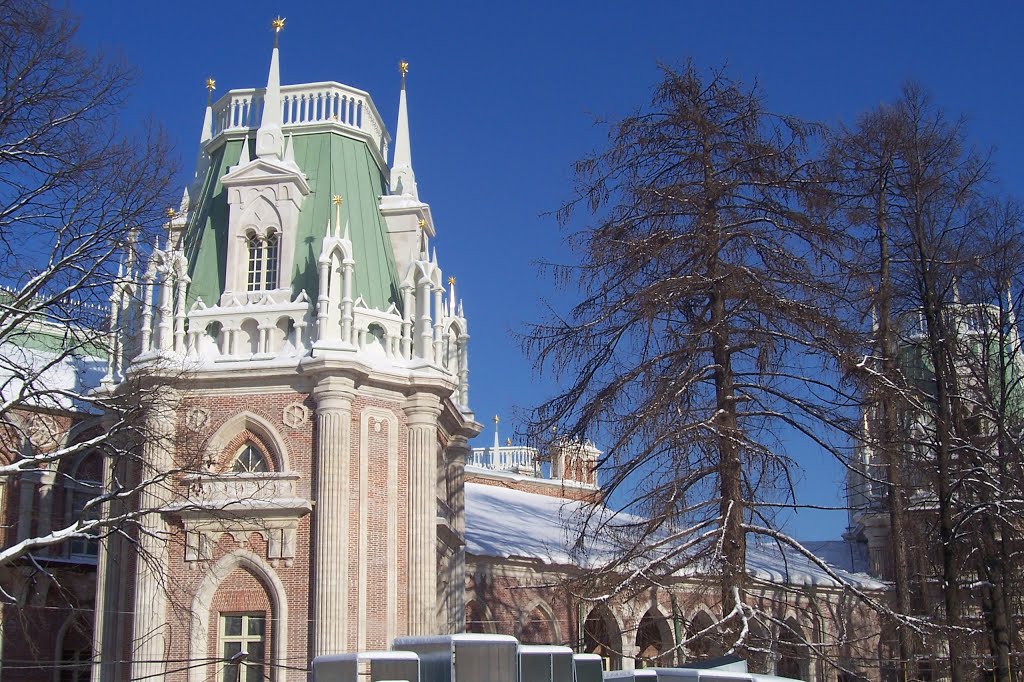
x: 250, y: 460
x: 264, y: 259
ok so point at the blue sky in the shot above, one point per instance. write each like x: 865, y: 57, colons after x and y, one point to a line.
x: 503, y: 97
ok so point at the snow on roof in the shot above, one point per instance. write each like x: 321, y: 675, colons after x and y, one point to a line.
x: 503, y: 522
x: 58, y: 376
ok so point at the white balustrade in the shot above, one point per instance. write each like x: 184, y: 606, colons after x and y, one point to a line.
x: 304, y: 105
x: 508, y: 458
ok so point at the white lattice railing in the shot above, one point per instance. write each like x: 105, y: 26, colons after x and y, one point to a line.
x: 304, y: 105
x: 507, y: 458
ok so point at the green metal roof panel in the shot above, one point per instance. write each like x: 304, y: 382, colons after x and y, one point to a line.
x: 206, y: 242
x: 333, y: 164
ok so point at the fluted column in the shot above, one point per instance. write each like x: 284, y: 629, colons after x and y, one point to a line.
x: 422, y: 411
x: 458, y: 452
x: 149, y: 645
x: 331, y: 515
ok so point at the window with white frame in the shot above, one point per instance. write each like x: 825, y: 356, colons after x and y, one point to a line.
x: 243, y: 632
x: 263, y: 261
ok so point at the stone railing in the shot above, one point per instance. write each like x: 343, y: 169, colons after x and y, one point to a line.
x: 305, y: 105
x: 243, y: 489
x: 508, y: 458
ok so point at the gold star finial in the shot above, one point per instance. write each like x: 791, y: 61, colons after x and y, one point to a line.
x: 403, y: 67
x: 422, y: 223
x: 336, y: 199
x: 211, y: 84
x: 451, y: 281
x: 171, y: 213
x: 277, y: 24
x: 496, y: 420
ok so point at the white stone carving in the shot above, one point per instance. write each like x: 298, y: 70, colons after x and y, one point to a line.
x: 197, y: 418
x: 295, y: 415
x: 43, y: 432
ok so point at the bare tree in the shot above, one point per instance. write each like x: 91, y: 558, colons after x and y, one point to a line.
x: 702, y: 276
x: 939, y: 358
x: 76, y: 197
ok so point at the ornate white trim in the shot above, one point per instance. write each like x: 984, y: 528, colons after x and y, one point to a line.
x: 201, y: 603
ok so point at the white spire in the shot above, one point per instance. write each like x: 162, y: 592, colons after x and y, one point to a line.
x: 269, y: 141
x: 496, y: 441
x: 403, y: 180
x: 289, y: 151
x: 207, y: 133
x: 243, y: 156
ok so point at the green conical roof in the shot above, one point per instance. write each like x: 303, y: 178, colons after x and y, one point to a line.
x: 333, y: 164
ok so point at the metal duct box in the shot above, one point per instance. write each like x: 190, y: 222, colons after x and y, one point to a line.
x: 589, y: 667
x: 545, y: 663
x: 370, y: 666
x: 464, y: 657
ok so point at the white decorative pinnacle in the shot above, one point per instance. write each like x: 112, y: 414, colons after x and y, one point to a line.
x: 403, y: 180
x: 269, y: 141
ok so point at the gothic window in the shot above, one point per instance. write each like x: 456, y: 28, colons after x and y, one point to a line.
x: 249, y: 460
x: 79, y: 495
x: 242, y: 646
x: 263, y: 262
x: 80, y: 488
x: 73, y: 649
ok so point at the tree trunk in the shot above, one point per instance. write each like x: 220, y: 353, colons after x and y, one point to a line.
x: 888, y: 443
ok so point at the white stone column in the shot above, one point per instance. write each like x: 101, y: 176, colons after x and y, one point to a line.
x: 331, y: 515
x: 422, y: 411
x: 323, y: 300
x: 407, y: 316
x: 179, y: 313
x: 165, y: 323
x: 346, y: 300
x: 149, y: 635
x: 147, y: 312
x: 458, y: 452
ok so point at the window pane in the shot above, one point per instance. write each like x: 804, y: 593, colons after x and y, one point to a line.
x: 253, y: 673
x: 231, y: 648
x: 231, y: 673
x: 256, y: 625
x: 255, y: 650
x: 232, y: 625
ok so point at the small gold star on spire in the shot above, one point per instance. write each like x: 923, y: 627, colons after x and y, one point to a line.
x: 171, y: 213
x: 403, y: 67
x: 211, y: 84
x: 277, y: 24
x: 336, y: 199
x: 496, y: 420
x: 451, y: 281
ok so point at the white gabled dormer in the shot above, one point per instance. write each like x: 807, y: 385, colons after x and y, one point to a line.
x: 265, y: 195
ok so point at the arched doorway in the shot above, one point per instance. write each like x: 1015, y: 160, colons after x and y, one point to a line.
x: 793, y: 659
x: 601, y: 636
x: 653, y: 640
x: 476, y: 618
x: 705, y: 639
x: 538, y: 628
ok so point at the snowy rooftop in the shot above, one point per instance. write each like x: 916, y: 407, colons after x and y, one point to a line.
x: 57, y: 376
x: 502, y: 522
